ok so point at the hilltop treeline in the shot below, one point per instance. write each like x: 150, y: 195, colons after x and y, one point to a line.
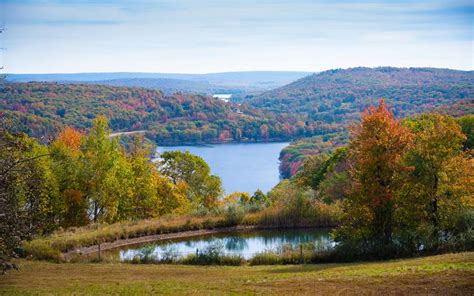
x: 42, y: 109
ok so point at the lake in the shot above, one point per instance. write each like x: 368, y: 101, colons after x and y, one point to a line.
x: 245, y: 244
x: 242, y: 167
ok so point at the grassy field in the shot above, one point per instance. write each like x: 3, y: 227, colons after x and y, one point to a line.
x: 440, y: 275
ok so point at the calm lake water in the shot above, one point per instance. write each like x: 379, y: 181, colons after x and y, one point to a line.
x: 242, y: 167
x: 245, y: 244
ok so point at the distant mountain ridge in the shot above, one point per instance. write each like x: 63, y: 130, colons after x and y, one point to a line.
x: 232, y: 82
x: 171, y: 86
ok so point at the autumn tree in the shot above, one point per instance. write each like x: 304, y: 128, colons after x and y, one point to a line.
x: 172, y: 197
x: 264, y: 131
x: 102, y: 166
x: 29, y: 200
x: 237, y: 197
x: 439, y: 182
x: 312, y: 171
x: 144, y: 200
x: 467, y: 125
x: 326, y: 175
x: 203, y: 189
x: 376, y: 147
x: 65, y: 152
x: 258, y: 197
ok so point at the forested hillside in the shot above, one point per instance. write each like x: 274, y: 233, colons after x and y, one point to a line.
x: 340, y: 95
x: 41, y: 109
x: 293, y: 156
x: 337, y: 97
x: 457, y: 109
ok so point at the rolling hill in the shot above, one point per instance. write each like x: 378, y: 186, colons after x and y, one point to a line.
x: 339, y: 95
x: 41, y: 109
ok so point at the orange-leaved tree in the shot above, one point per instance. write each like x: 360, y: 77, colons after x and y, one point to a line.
x: 377, y: 145
x: 65, y: 152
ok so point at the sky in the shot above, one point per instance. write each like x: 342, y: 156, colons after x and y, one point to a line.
x: 204, y: 36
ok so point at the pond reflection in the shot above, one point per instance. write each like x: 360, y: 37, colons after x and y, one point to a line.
x: 245, y: 244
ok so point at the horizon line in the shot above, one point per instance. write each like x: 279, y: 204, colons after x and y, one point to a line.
x: 232, y: 71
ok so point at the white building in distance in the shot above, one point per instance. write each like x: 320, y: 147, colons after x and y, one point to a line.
x: 223, y: 97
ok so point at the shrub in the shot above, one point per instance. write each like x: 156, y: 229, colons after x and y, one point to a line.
x: 193, y: 259
x: 234, y: 215
x: 266, y: 258
x: 212, y: 255
x: 42, y: 250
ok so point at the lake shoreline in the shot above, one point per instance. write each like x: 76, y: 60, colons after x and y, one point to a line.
x: 120, y: 243
x: 211, y: 143
x: 256, y: 164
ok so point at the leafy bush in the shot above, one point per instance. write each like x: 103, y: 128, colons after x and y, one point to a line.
x: 234, y: 215
x: 42, y: 250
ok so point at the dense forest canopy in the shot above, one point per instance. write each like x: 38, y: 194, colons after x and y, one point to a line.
x: 41, y: 109
x: 340, y: 95
x: 315, y: 105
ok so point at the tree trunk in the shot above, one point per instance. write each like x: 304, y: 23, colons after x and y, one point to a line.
x: 434, y: 208
x: 96, y: 211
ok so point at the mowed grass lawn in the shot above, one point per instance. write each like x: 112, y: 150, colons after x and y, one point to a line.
x: 449, y: 274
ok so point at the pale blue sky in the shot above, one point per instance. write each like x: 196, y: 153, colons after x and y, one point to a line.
x: 201, y: 36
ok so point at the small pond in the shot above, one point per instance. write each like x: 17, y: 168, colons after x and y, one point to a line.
x: 245, y: 244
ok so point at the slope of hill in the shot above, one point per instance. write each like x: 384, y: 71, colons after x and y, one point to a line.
x: 339, y: 95
x: 457, y: 109
x: 41, y: 109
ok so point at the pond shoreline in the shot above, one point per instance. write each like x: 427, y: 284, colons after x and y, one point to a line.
x: 85, y: 251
